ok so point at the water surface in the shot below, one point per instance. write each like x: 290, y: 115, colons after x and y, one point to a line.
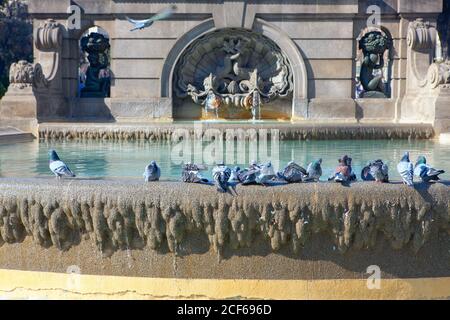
x: 101, y: 159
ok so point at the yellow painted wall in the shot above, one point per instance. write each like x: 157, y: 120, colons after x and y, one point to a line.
x: 43, y: 285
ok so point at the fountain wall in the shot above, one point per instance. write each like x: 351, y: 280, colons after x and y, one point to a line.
x: 319, y: 42
x: 303, y: 232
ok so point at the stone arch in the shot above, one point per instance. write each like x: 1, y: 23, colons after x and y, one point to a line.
x: 279, y: 37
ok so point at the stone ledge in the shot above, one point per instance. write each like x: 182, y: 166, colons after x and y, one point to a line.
x: 304, y: 130
x: 120, y: 214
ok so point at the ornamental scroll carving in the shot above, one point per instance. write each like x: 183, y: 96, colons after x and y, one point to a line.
x: 233, y: 68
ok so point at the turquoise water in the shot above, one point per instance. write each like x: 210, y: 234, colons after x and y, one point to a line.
x: 128, y: 159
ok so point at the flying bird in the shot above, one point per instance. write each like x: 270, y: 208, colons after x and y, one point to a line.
x: 375, y: 171
x: 292, y: 173
x: 58, y: 167
x: 221, y: 174
x: 314, y: 171
x: 152, y: 172
x: 425, y: 171
x: 142, y: 24
x: 406, y: 170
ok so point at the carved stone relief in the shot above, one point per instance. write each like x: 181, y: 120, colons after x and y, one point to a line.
x: 233, y: 68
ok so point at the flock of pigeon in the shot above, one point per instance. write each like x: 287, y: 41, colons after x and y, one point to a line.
x: 293, y: 173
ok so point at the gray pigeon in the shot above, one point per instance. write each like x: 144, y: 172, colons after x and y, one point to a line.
x: 58, y: 167
x: 142, y: 24
x: 425, y: 171
x: 152, y: 172
x: 375, y: 171
x: 265, y: 174
x: 190, y: 173
x: 406, y: 170
x: 314, y: 171
x: 292, y: 173
x: 254, y: 165
x: 234, y: 177
x: 247, y: 177
x: 221, y: 174
x: 344, y: 172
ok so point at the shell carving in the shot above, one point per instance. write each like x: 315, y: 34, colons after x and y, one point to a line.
x: 233, y: 63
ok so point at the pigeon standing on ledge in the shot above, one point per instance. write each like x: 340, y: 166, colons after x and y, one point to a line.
x: 375, y: 171
x: 152, y: 172
x: 191, y: 173
x: 58, y: 167
x: 314, y: 171
x: 425, y: 171
x: 344, y: 172
x: 406, y: 170
x: 221, y: 174
x: 265, y: 174
x: 292, y: 173
x: 234, y: 177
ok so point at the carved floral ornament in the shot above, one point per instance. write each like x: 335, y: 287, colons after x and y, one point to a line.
x: 23, y: 75
x: 233, y: 67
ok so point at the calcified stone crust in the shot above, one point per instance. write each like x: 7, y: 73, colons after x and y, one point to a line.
x: 119, y: 214
x: 287, y: 131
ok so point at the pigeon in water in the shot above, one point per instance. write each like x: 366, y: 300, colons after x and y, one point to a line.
x: 58, y: 167
x: 265, y: 174
x: 152, y: 172
x: 234, y: 177
x: 344, y: 172
x: 191, y: 173
x: 292, y: 173
x: 425, y: 171
x: 221, y: 174
x: 142, y: 24
x: 314, y: 171
x: 406, y: 170
x: 375, y: 171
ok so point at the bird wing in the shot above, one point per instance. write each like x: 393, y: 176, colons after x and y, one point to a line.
x: 163, y: 14
x: 433, y: 172
x: 137, y: 21
x: 159, y: 16
x: 60, y: 168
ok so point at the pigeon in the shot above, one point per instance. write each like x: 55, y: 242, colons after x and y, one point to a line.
x: 234, y: 177
x: 343, y: 172
x: 375, y: 171
x: 314, y: 171
x: 292, y: 173
x: 254, y: 165
x: 142, y: 24
x: 425, y: 171
x: 406, y: 170
x: 58, y: 167
x: 221, y: 174
x: 247, y: 177
x: 190, y: 173
x: 152, y: 172
x: 194, y: 167
x: 265, y: 174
